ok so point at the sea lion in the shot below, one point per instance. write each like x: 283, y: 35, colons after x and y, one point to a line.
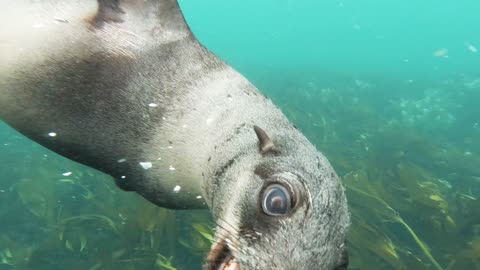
x: 123, y: 86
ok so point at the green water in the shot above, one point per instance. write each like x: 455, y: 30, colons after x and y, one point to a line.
x: 388, y: 90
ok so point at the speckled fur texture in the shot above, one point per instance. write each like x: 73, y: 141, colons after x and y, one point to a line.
x: 128, y: 90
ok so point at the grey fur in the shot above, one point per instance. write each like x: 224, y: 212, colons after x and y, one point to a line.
x: 128, y: 90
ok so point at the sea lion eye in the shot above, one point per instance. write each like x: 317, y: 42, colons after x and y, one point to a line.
x: 276, y: 200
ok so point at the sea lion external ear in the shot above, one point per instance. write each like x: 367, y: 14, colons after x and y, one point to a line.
x: 266, y: 144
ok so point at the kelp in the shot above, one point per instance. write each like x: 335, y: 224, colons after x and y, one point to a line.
x: 81, y: 216
x: 364, y: 235
x: 385, y: 212
x: 38, y: 198
x: 13, y: 253
x: 468, y: 257
x: 413, y: 197
x: 199, y: 239
x: 163, y: 263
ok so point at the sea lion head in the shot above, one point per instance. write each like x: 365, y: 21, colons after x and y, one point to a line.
x: 285, y: 210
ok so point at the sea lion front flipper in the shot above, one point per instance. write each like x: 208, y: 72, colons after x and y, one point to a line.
x: 108, y: 10
x: 96, y: 95
x: 157, y: 15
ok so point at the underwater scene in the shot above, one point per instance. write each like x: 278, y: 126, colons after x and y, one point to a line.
x: 389, y: 91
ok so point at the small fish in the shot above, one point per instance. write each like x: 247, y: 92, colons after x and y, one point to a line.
x: 96, y: 266
x: 436, y: 198
x: 8, y: 253
x: 88, y: 196
x: 471, y: 48
x: 66, y: 180
x: 468, y: 196
x: 117, y: 254
x: 68, y: 245
x: 83, y: 243
x: 441, y: 53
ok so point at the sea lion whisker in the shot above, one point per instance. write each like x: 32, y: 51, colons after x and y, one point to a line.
x: 230, y: 243
x: 226, y: 226
x: 226, y: 234
x: 229, y: 232
x: 232, y: 227
x: 232, y: 240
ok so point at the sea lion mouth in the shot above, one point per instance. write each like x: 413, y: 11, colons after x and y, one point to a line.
x: 221, y: 258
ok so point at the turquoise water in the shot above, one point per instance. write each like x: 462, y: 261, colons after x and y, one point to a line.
x: 388, y: 90
x: 385, y: 38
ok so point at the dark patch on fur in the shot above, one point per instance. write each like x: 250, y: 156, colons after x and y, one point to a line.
x: 263, y: 171
x: 108, y: 11
x: 83, y: 95
x: 219, y: 173
x: 319, y: 164
x: 344, y: 260
x: 239, y: 128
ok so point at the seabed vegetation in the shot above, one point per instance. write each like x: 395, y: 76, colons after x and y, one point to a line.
x: 409, y: 162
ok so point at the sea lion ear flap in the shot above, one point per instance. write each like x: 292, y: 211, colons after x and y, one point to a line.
x: 266, y: 144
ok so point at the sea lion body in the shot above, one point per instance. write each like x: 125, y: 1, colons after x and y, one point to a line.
x: 72, y: 79
x: 124, y: 87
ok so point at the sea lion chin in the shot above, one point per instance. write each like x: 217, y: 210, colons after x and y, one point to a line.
x: 124, y: 87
